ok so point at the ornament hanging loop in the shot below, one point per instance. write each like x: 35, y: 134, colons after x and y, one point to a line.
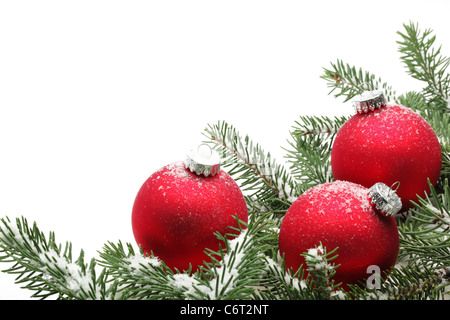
x: 397, y: 183
x: 205, y: 152
x: 203, y: 161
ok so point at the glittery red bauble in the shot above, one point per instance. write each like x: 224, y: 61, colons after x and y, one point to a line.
x: 177, y: 212
x: 388, y: 145
x: 339, y: 214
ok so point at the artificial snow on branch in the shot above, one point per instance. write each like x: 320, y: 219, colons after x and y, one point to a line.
x: 42, y: 266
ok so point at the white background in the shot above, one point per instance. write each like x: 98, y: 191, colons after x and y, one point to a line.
x: 97, y: 95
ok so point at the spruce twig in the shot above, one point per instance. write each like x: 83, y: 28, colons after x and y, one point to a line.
x: 264, y: 182
x: 43, y: 267
x: 321, y: 271
x: 309, y: 152
x: 424, y: 62
x: 347, y: 81
x: 424, y: 236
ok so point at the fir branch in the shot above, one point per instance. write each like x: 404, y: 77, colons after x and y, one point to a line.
x: 425, y: 62
x: 310, y: 149
x: 236, y: 274
x: 321, y: 271
x: 348, y: 81
x: 413, y: 282
x: 445, y: 170
x: 140, y: 276
x: 279, y: 283
x: 312, y: 281
x: 233, y: 273
x: 264, y: 182
x: 415, y: 101
x: 405, y: 282
x: 43, y: 267
x: 425, y: 236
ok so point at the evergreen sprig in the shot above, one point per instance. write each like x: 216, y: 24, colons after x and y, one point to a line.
x: 309, y: 152
x: 233, y: 272
x: 265, y: 183
x: 424, y: 235
x: 413, y: 282
x: 423, y: 61
x: 405, y: 282
x: 236, y: 274
x: 138, y: 276
x: 348, y: 81
x: 280, y: 283
x: 312, y: 281
x: 321, y: 271
x: 43, y: 266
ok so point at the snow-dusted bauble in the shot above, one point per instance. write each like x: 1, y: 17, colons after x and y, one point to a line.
x: 179, y: 208
x: 387, y: 143
x: 341, y: 215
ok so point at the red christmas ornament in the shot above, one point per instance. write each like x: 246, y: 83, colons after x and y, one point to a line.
x: 387, y: 143
x: 180, y: 207
x: 356, y: 220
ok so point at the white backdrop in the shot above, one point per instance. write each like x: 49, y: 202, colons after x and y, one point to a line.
x: 97, y: 95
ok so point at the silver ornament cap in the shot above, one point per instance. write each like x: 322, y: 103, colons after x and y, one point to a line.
x: 203, y: 161
x: 385, y: 199
x: 369, y: 101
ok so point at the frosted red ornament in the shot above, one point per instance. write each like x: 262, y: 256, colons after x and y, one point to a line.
x: 340, y: 215
x: 387, y: 143
x: 179, y: 208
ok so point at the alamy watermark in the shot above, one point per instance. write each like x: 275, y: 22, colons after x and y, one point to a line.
x: 374, y: 280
